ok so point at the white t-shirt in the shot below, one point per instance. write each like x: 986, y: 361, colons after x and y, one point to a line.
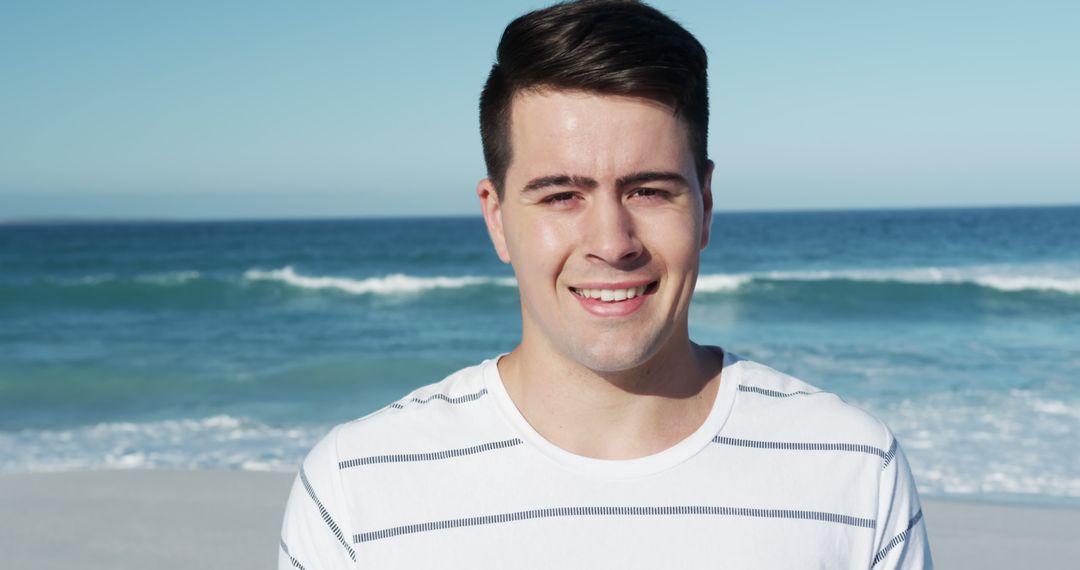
x: 780, y: 475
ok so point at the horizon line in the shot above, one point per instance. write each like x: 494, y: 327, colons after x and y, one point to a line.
x: 98, y: 220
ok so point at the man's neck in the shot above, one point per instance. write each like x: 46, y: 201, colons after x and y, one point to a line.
x: 623, y: 415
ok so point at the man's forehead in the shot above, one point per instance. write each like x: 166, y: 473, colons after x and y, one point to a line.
x: 573, y: 132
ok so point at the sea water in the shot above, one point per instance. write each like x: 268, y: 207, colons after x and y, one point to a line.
x: 236, y: 345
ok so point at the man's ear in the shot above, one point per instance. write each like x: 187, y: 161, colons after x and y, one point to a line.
x: 491, y: 208
x: 707, y: 203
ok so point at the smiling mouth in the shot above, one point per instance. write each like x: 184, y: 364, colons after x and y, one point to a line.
x: 615, y: 295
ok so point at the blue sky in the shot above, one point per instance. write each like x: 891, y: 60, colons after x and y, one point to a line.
x: 295, y: 109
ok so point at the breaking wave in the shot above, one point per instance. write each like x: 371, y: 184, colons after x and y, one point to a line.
x: 998, y: 278
x: 217, y: 442
x: 387, y: 285
x: 190, y: 288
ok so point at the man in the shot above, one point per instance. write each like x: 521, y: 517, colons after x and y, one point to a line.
x: 606, y: 438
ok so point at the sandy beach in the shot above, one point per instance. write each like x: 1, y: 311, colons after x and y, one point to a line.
x: 167, y: 519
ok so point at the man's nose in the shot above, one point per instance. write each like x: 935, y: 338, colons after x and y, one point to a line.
x: 611, y: 235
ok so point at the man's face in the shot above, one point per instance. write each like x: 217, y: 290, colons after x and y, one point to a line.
x: 603, y: 220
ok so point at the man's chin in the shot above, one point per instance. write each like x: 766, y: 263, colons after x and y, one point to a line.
x: 615, y: 359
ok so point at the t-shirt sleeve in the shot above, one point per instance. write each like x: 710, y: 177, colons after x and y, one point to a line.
x: 900, y: 535
x: 315, y: 533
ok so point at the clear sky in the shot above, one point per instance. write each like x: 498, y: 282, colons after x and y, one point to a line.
x: 234, y: 109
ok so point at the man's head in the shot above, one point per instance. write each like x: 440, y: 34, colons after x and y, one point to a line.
x: 599, y: 188
x: 608, y: 47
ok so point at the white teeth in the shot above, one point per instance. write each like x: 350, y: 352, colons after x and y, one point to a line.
x: 612, y: 295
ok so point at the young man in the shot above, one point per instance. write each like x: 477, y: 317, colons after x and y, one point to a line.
x: 606, y: 438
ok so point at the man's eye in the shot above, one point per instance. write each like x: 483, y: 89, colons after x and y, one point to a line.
x: 559, y: 198
x: 650, y: 193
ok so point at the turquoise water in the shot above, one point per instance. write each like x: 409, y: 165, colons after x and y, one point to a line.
x: 237, y: 344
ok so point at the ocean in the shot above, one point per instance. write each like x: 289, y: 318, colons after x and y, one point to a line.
x: 236, y: 345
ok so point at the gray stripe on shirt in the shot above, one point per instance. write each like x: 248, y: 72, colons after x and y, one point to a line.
x: 326, y: 515
x: 428, y: 456
x: 296, y: 563
x: 897, y: 539
x: 773, y: 393
x: 798, y: 446
x: 607, y: 511
x: 448, y: 399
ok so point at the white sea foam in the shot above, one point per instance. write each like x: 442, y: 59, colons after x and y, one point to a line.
x: 169, y: 278
x: 1050, y: 407
x: 165, y: 278
x: 1016, y: 278
x: 1021, y: 283
x: 95, y: 279
x: 721, y: 282
x: 1018, y: 442
x: 390, y: 284
x: 212, y: 442
x: 1002, y: 278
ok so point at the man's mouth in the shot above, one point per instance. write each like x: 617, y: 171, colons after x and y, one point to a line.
x: 615, y: 295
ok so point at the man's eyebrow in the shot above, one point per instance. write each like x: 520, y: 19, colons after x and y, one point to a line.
x: 650, y: 176
x: 560, y: 180
x: 586, y: 182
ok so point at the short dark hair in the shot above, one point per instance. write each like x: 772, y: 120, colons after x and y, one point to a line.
x: 611, y: 47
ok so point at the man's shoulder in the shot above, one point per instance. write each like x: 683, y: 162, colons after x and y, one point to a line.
x: 777, y: 406
x: 461, y: 387
x: 447, y: 413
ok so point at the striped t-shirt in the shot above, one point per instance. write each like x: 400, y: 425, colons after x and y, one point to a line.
x: 780, y: 475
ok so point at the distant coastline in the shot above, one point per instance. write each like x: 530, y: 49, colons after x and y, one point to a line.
x: 75, y: 220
